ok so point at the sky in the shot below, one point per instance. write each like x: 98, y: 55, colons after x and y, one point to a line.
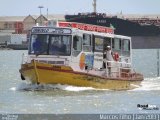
x: 26, y: 7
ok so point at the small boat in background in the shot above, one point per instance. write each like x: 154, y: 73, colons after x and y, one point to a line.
x: 75, y: 54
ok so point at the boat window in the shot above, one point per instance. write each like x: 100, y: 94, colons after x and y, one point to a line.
x: 60, y: 45
x: 77, y: 45
x: 98, y: 44
x: 39, y: 44
x: 116, y: 45
x: 125, y: 47
x: 87, y: 43
x: 107, y: 42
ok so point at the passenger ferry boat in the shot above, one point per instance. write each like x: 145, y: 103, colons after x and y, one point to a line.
x: 74, y: 54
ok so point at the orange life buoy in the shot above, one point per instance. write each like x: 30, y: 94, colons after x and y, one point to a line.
x: 116, y: 56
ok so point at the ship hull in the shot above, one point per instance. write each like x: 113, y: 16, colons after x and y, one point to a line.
x: 140, y: 34
x: 42, y: 73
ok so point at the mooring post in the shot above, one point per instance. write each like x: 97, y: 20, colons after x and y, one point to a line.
x: 157, y: 62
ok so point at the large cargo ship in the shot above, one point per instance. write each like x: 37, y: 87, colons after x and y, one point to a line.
x: 139, y: 32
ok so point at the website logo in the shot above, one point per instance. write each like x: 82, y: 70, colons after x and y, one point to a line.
x: 147, y: 107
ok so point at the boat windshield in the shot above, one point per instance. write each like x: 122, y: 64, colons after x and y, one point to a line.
x: 43, y: 44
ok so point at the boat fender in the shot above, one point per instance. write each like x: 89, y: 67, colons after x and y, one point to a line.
x: 22, y: 77
x: 116, y: 56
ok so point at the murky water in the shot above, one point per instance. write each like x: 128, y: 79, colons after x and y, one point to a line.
x: 17, y: 96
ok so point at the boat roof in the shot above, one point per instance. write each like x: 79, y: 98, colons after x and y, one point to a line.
x: 87, y: 32
x: 122, y: 36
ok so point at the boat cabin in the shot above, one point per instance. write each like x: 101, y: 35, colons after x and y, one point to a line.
x: 84, y: 51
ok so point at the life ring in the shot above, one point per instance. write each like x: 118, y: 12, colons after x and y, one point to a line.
x: 116, y: 56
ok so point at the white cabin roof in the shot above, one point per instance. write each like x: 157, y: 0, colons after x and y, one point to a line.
x: 122, y: 36
x: 76, y: 30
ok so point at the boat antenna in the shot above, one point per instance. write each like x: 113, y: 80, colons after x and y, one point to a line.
x: 94, y: 6
x: 47, y: 13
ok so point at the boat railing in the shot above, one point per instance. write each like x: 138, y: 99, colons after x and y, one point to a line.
x: 115, y: 69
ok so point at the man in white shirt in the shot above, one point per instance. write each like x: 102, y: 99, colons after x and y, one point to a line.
x: 109, y: 55
x: 109, y: 59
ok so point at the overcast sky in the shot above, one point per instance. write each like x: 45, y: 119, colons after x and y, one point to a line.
x: 26, y: 7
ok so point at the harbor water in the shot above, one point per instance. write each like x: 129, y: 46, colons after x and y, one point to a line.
x: 17, y: 96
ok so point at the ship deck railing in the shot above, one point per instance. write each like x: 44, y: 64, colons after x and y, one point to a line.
x: 115, y: 69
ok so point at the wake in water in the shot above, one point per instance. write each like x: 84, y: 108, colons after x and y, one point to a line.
x: 35, y: 87
x: 149, y: 84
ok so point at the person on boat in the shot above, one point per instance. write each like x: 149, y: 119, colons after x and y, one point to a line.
x: 44, y: 46
x: 109, y: 59
x: 55, y: 47
x: 109, y: 54
x: 37, y: 46
x: 62, y: 47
